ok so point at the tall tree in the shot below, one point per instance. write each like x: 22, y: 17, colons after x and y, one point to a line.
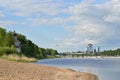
x: 8, y: 39
x: 2, y: 35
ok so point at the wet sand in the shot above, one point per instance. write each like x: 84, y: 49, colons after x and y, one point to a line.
x: 25, y: 71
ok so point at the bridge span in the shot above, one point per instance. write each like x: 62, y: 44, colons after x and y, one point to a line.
x: 73, y: 55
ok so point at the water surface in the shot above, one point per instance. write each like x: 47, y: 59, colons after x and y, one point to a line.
x: 104, y: 68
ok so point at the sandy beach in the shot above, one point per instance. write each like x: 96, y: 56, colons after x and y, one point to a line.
x: 25, y: 71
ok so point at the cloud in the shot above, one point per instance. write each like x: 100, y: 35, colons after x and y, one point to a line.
x: 93, y: 23
x: 31, y: 7
x: 56, y: 21
x: 1, y: 14
x: 79, y: 8
x: 7, y: 23
x: 85, y: 21
x: 111, y: 18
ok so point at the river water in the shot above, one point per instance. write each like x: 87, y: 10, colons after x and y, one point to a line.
x: 104, y: 68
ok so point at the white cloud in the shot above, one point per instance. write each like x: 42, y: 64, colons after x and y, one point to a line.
x: 93, y: 23
x: 79, y: 8
x: 112, y: 12
x: 1, y: 14
x: 85, y: 22
x: 31, y: 7
x: 7, y: 23
x: 111, y: 18
x: 86, y: 27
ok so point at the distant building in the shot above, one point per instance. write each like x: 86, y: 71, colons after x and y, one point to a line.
x: 89, y: 48
x: 98, y: 49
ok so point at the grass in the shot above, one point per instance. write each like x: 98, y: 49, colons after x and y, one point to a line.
x: 16, y: 58
x: 49, y: 57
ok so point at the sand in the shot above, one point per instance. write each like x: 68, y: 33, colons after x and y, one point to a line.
x: 26, y: 71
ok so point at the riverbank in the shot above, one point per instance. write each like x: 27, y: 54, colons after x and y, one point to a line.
x: 25, y: 71
x: 77, y: 56
x: 16, y: 58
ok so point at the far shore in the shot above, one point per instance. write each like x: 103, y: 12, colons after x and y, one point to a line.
x: 102, y: 57
x: 10, y: 70
x: 115, y: 57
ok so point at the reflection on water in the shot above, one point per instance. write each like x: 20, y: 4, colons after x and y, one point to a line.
x: 106, y: 68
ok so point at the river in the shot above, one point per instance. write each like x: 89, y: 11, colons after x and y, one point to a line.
x: 104, y: 68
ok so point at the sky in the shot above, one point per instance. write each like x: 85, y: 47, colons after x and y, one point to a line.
x: 64, y: 25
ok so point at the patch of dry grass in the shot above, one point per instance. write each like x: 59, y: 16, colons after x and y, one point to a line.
x: 14, y: 57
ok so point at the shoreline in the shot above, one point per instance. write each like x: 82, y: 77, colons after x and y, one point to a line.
x: 114, y: 57
x: 25, y: 71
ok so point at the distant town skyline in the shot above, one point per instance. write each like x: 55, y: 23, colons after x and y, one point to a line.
x: 64, y: 25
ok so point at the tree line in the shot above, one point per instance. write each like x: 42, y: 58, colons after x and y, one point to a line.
x: 111, y: 52
x: 28, y: 48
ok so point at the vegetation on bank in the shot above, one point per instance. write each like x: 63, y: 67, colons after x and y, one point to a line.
x: 111, y: 52
x: 28, y: 48
x: 102, y: 53
x: 17, y: 58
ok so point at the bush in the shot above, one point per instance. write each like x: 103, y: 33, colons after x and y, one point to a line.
x: 1, y: 52
x: 7, y: 50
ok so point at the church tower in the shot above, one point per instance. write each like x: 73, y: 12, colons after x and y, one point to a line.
x: 89, y: 48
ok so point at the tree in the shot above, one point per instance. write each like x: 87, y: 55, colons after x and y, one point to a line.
x: 28, y: 48
x: 43, y: 52
x: 111, y: 52
x: 2, y: 35
x: 8, y: 40
x: 48, y: 51
x: 22, y: 38
x: 53, y: 52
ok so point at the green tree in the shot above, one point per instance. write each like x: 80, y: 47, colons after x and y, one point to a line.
x: 48, y: 51
x: 53, y: 52
x: 2, y: 35
x: 28, y: 48
x: 22, y: 38
x: 8, y: 40
x: 43, y: 52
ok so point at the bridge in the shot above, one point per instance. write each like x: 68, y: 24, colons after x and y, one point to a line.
x: 73, y: 55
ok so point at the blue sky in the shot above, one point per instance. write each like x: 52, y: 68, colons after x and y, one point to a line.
x: 64, y: 25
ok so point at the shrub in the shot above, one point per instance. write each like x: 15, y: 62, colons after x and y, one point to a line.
x: 7, y: 50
